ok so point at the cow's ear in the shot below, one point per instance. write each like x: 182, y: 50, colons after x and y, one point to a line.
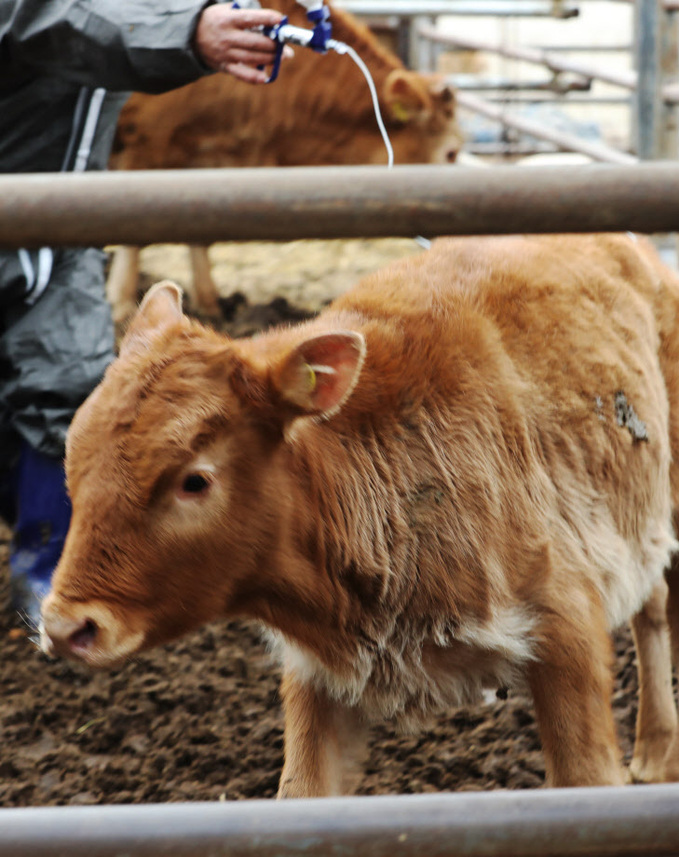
x: 318, y: 374
x: 160, y: 308
x: 405, y: 95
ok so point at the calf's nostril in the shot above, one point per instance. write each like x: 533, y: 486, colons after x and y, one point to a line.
x: 84, y: 636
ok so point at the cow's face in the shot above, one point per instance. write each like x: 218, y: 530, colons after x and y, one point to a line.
x: 169, y: 468
x: 419, y: 115
x: 151, y: 471
x: 421, y: 118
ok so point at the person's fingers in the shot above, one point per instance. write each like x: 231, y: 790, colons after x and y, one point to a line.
x: 247, y: 19
x: 249, y: 41
x: 252, y: 58
x: 226, y: 41
x: 221, y: 28
x: 245, y: 72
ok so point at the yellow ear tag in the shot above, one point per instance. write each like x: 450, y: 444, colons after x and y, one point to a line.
x: 311, y: 377
x: 400, y: 112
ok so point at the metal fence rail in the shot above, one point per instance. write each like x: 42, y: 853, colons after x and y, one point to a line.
x: 564, y: 141
x: 410, y: 9
x: 534, y: 56
x: 204, y: 206
x: 626, y: 822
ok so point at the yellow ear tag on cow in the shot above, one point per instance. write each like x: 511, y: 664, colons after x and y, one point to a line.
x: 400, y: 112
x: 311, y: 377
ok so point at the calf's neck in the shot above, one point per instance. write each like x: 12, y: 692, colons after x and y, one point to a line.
x: 461, y: 475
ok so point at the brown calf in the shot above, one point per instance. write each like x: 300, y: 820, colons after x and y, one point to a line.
x: 318, y: 113
x: 459, y: 476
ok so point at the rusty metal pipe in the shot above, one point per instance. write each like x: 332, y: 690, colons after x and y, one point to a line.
x: 626, y: 822
x: 204, y: 206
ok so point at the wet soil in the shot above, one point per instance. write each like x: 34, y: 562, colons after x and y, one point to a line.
x: 200, y: 719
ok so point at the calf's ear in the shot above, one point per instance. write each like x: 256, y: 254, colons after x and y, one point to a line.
x: 405, y: 95
x: 318, y: 374
x: 160, y: 308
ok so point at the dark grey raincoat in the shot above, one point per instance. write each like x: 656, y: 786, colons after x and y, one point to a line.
x: 66, y: 68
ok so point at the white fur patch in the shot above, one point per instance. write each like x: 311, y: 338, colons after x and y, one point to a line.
x: 624, y: 571
x: 628, y: 583
x: 416, y: 674
x: 508, y: 634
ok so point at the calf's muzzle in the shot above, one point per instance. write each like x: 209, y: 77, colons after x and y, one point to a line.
x: 88, y: 632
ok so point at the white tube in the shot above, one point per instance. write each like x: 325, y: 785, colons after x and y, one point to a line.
x: 292, y: 35
x: 311, y: 5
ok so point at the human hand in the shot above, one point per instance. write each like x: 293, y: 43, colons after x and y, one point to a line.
x: 225, y: 41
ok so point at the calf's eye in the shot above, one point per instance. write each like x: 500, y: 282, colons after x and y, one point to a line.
x: 195, y: 483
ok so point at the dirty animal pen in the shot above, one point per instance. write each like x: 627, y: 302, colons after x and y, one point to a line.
x: 49, y: 209
x: 633, y: 821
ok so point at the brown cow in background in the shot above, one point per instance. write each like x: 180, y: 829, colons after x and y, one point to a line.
x: 318, y: 113
x: 461, y: 475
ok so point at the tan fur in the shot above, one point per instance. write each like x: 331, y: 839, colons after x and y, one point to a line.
x: 318, y: 113
x: 425, y: 492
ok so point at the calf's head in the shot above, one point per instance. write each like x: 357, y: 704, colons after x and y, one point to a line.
x: 175, y: 470
x: 420, y: 113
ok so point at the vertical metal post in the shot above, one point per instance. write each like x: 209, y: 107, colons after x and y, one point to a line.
x: 404, y: 40
x: 423, y: 55
x: 648, y: 99
x: 669, y: 64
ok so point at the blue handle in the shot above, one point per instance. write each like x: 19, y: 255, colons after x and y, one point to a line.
x: 272, y: 33
x: 320, y: 36
x: 320, y: 18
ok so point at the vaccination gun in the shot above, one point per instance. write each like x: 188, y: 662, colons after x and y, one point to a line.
x: 318, y: 38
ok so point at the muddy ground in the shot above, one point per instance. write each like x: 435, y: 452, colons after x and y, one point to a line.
x: 200, y: 719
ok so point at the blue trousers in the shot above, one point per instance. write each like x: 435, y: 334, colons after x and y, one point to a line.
x: 41, y: 516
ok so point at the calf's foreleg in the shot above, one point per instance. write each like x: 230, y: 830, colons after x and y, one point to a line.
x: 204, y: 287
x: 325, y: 743
x: 121, y: 285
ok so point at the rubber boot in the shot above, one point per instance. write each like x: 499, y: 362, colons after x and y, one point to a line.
x: 8, y: 494
x: 43, y: 513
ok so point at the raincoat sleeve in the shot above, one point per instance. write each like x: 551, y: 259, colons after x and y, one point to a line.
x: 139, y: 45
